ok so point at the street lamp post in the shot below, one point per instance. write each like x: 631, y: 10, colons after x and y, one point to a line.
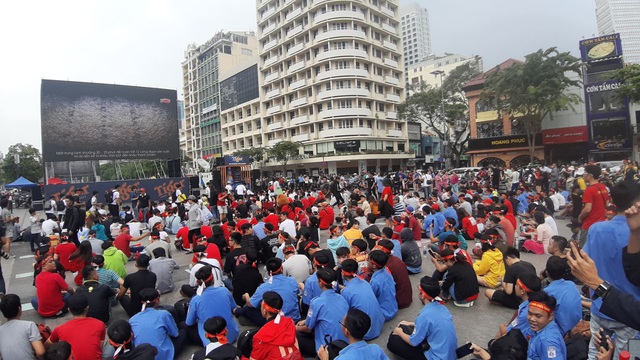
x: 445, y: 142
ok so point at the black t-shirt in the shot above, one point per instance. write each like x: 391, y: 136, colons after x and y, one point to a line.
x: 223, y: 352
x: 371, y: 229
x: 269, y: 245
x: 140, y: 352
x: 246, y: 279
x: 243, y: 211
x: 514, y: 271
x: 99, y: 296
x: 143, y: 201
x: 464, y: 277
x: 250, y: 241
x: 231, y: 259
x: 332, y: 261
x: 142, y: 279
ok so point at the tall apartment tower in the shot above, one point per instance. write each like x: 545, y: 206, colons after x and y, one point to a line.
x: 621, y: 16
x: 416, y: 35
x: 202, y: 69
x: 330, y: 75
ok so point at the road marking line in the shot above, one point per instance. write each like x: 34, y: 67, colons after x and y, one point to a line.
x: 26, y: 256
x: 187, y: 270
x: 26, y: 306
x: 24, y: 275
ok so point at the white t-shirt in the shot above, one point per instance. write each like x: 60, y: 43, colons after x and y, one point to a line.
x: 425, y: 180
x: 289, y: 227
x: 297, y: 266
x: 240, y: 189
x: 515, y: 177
x: 53, y: 204
x: 48, y: 226
x: 217, y: 272
x: 552, y: 224
x: 116, y: 196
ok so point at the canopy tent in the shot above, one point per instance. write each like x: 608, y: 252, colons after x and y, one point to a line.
x: 20, y: 182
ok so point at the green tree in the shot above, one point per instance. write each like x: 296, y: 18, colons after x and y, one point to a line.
x: 255, y: 153
x: 29, y: 164
x: 130, y: 169
x: 629, y: 78
x: 284, y: 151
x: 535, y: 89
x: 445, y: 109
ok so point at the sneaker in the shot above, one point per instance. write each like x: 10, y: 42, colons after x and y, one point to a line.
x: 5, y: 255
x: 12, y: 256
x: 464, y: 305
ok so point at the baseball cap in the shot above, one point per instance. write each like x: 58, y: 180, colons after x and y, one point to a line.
x: 142, y: 189
x: 435, y: 207
x: 410, y: 209
x: 192, y: 198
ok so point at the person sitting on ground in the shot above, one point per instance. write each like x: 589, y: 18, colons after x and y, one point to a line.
x: 61, y: 350
x: 490, y: 268
x: 155, y: 325
x: 63, y: 251
x: 120, y: 337
x: 557, y: 247
x: 515, y: 268
x: 512, y: 346
x: 188, y: 290
x: 86, y: 335
x: 399, y: 272
x: 526, y: 285
x: 19, y: 339
x: 163, y: 267
x: 383, y: 285
x: 49, y: 300
x: 106, y: 276
x: 355, y: 325
x: 310, y: 288
x: 540, y: 241
x: 124, y: 240
x: 155, y: 242
x: 277, y: 338
x: 359, y: 254
x: 460, y: 281
x: 410, y: 252
x: 336, y: 240
x: 566, y: 294
x: 434, y: 325
x: 295, y: 265
x: 135, y: 282
x: 219, y: 345
x: 98, y: 295
x: 546, y: 337
x: 246, y: 277
x: 359, y: 295
x: 114, y: 259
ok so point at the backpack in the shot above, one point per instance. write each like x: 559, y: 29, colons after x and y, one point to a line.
x: 61, y: 205
x: 334, y: 347
x: 45, y: 332
x: 245, y: 342
x: 47, y: 205
x: 108, y: 196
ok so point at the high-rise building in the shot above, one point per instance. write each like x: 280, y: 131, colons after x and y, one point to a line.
x: 202, y: 69
x: 621, y: 16
x: 331, y: 78
x: 423, y: 71
x: 416, y: 35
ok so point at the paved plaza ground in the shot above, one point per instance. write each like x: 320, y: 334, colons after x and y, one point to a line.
x: 478, y: 324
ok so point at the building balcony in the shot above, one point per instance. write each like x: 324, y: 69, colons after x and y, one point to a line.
x: 270, y: 45
x: 391, y: 62
x: 336, y: 15
x: 268, y: 29
x: 268, y: 13
x: 394, y: 133
x: 272, y: 93
x: 392, y: 115
x: 295, y: 31
x: 273, y: 142
x: 343, y: 92
x: 294, y: 49
x: 300, y: 137
x: 271, y: 77
x: 389, y: 45
x: 274, y: 109
x: 292, y: 14
x: 341, y: 33
x: 389, y: 28
x: 270, y: 61
x: 297, y: 66
x: 385, y: 10
x: 318, y: 2
x: 298, y: 102
x: 303, y: 119
x: 346, y: 132
x: 336, y: 73
x: 350, y: 53
x: 360, y: 112
x: 393, y: 98
x: 392, y: 80
x: 274, y: 126
x: 298, y: 84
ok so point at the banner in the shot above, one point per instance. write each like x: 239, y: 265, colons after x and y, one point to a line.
x: 601, y: 48
x: 565, y: 135
x: 347, y: 145
x: 502, y: 142
x: 157, y: 189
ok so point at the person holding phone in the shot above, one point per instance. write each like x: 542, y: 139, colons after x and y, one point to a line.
x: 460, y: 281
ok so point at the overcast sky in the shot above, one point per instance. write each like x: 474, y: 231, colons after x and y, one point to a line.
x: 142, y: 42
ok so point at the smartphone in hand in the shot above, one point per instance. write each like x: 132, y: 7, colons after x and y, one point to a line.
x: 464, y: 350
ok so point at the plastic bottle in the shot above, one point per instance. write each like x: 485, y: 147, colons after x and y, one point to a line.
x: 624, y: 355
x: 424, y: 249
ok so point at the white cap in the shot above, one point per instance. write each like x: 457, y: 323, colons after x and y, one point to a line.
x: 580, y: 171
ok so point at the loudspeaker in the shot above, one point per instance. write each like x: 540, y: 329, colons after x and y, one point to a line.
x: 173, y: 168
x: 216, y: 179
x: 194, y: 182
x: 36, y: 193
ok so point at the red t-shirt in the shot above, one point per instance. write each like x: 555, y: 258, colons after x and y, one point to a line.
x: 206, y: 231
x: 48, y: 291
x: 84, y: 335
x: 469, y: 225
x: 122, y: 243
x: 596, y: 195
x: 222, y: 199
x: 65, y: 250
x: 387, y: 191
x: 239, y: 224
x: 183, y: 234
x: 326, y: 218
x: 272, y: 219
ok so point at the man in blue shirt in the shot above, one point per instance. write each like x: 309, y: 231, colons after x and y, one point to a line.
x: 546, y: 340
x: 440, y: 220
x: 212, y: 301
x: 524, y: 202
x: 311, y: 289
x: 433, y: 325
x: 605, y: 243
x: 382, y: 284
x: 324, y: 317
x: 258, y: 229
x: 156, y: 327
x: 525, y: 285
x: 359, y: 295
x: 354, y: 327
x: 568, y: 302
x: 450, y: 211
x: 287, y: 287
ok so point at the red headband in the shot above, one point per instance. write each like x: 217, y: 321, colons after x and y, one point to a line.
x: 310, y: 244
x: 523, y: 286
x: 270, y: 308
x: 317, y: 263
x: 278, y: 271
x: 222, y: 336
x: 375, y: 263
x: 325, y: 283
x: 380, y: 247
x: 347, y: 273
x: 541, y: 306
x: 448, y: 257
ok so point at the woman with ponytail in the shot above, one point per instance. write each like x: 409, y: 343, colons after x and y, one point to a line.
x: 460, y: 281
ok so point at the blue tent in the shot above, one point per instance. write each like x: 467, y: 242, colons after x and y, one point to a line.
x: 20, y: 182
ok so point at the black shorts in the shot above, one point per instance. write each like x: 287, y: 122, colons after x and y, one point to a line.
x: 510, y: 301
x: 193, y: 234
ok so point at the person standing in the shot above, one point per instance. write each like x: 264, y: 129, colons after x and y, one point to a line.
x: 144, y: 200
x: 114, y: 203
x: 594, y: 201
x: 194, y: 221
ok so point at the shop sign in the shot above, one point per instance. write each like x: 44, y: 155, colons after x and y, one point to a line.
x: 565, y: 135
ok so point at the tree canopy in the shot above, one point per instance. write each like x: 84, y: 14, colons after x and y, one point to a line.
x: 448, y: 119
x: 29, y: 163
x: 533, y: 90
x: 255, y: 153
x: 629, y: 78
x: 284, y: 151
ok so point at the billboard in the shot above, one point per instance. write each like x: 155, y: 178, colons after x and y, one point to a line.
x: 503, y: 142
x: 158, y: 189
x: 88, y: 121
x: 239, y: 88
x: 601, y: 48
x: 566, y: 135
